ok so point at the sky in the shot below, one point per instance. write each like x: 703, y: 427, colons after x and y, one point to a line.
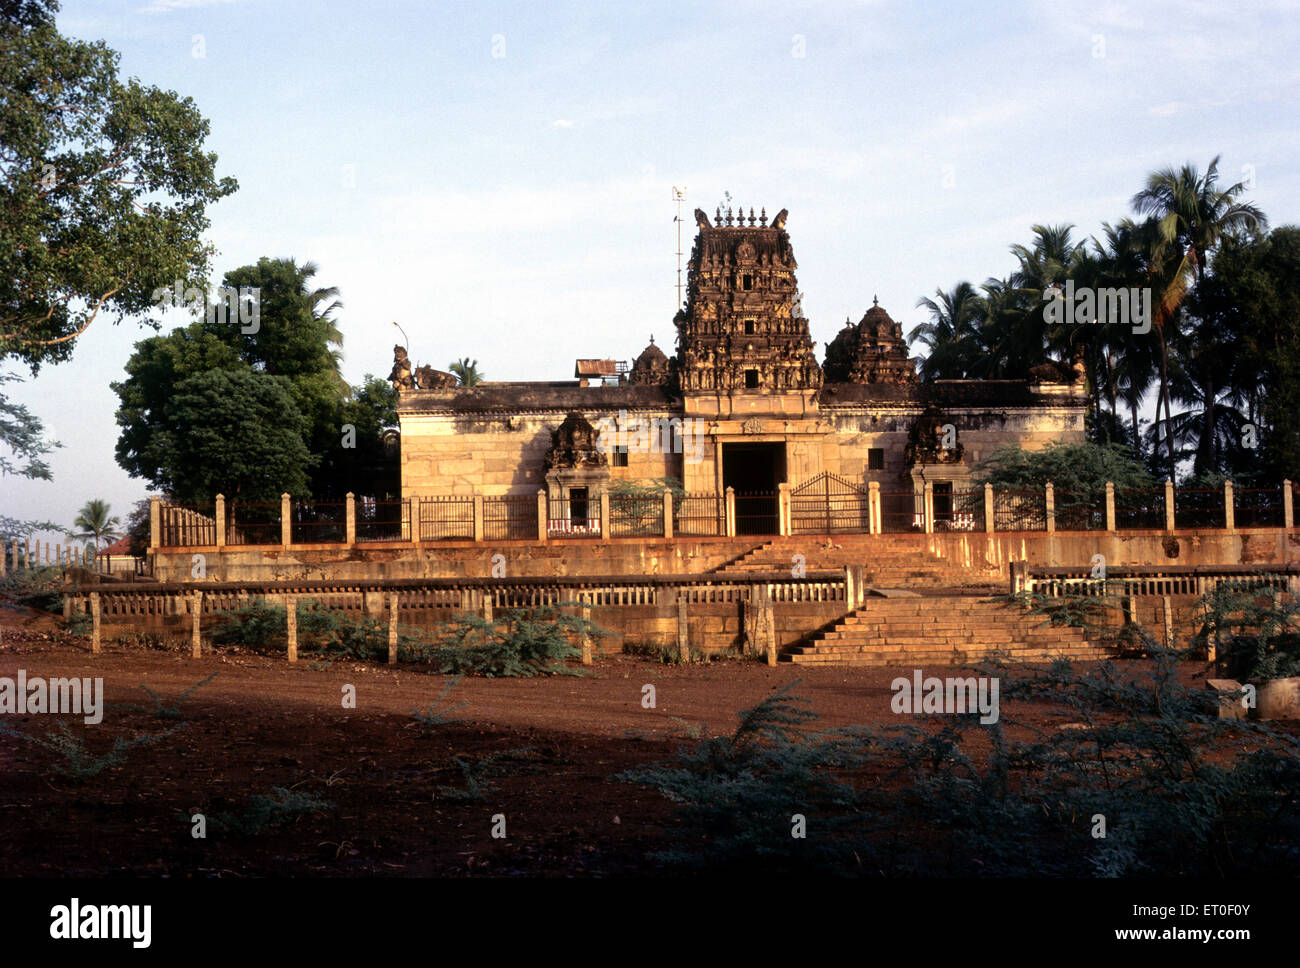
x: 497, y: 178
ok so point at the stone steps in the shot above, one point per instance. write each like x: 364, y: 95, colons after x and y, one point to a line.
x: 940, y: 629
x: 889, y: 561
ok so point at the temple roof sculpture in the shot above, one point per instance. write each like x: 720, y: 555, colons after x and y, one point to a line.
x: 873, y: 351
x: 575, y: 443
x: 651, y: 368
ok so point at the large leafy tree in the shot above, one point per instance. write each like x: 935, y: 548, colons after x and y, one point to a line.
x: 22, y: 435
x: 346, y: 431
x: 236, y: 432
x: 104, y: 185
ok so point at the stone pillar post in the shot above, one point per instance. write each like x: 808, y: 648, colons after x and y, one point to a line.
x: 604, y: 516
x: 155, y: 522
x: 668, y: 514
x: 4, y: 555
x: 1110, y: 505
x: 94, y: 622
x: 220, y: 513
x: 286, y: 520
x: 783, y: 509
x: 731, y: 512
x: 683, y: 630
x: 768, y: 618
x: 875, y: 524
x: 1288, y: 511
x: 1049, y: 498
x: 927, y: 507
x: 586, y: 616
x: 392, y: 628
x: 478, y: 517
x: 1229, y: 511
x: 542, y: 515
x: 196, y: 639
x: 291, y: 618
x: 1169, y: 505
x: 350, y: 519
x: 989, y: 517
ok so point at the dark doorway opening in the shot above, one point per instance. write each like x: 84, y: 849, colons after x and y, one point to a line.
x: 578, y: 505
x: 754, y: 471
x: 943, y: 502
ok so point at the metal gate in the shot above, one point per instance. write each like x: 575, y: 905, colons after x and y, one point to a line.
x: 829, y: 504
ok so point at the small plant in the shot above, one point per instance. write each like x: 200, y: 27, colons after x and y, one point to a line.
x: 78, y: 763
x: 168, y: 712
x: 432, y: 716
x: 477, y: 774
x: 80, y: 623
x: 1080, y: 611
x: 281, y: 807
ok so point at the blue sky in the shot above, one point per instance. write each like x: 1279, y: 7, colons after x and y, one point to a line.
x: 497, y: 177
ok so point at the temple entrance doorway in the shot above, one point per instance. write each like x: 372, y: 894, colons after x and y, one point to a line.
x: 754, y: 471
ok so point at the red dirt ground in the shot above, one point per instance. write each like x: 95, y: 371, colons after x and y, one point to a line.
x: 263, y: 723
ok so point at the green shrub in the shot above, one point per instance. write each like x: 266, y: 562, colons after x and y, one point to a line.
x: 477, y: 774
x: 262, y: 626
x: 40, y: 588
x: 1255, y: 631
x: 517, y: 643
x: 739, y: 795
x: 436, y: 714
x: 172, y: 711
x: 78, y: 764
x: 279, y: 808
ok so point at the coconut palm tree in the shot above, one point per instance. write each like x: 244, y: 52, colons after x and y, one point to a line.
x: 1190, y: 215
x: 95, y: 523
x: 949, y: 331
x: 466, y: 370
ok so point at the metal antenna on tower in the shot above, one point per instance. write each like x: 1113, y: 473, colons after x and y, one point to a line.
x: 679, y: 196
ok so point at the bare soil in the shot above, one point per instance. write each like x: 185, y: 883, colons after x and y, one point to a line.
x: 263, y: 723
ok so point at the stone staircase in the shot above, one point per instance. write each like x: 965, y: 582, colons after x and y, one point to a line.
x: 950, y: 630
x: 889, y: 561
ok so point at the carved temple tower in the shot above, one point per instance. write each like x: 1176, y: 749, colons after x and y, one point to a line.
x: 742, y: 331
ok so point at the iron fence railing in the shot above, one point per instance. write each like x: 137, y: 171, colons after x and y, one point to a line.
x: 700, y: 515
x: 383, y: 520
x: 254, y: 523
x: 757, y: 512
x: 636, y: 516
x: 1257, y: 507
x: 901, y: 511
x: 961, y: 509
x: 1199, y: 508
x: 320, y: 522
x: 1020, y: 510
x: 447, y: 518
x: 510, y: 517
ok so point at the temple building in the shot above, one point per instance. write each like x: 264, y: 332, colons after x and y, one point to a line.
x: 742, y: 402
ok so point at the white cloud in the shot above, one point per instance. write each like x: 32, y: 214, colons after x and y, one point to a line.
x: 167, y: 6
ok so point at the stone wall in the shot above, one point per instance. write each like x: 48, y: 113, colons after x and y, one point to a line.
x: 463, y: 453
